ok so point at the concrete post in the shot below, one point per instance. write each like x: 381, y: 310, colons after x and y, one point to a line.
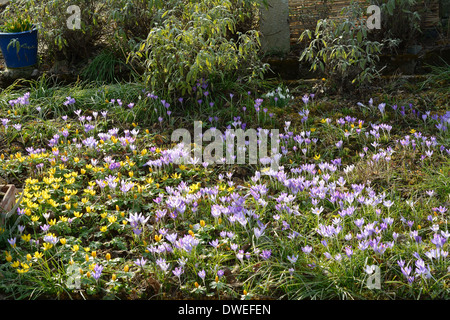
x: 274, y: 27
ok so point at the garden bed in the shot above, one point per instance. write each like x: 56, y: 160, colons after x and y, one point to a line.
x: 102, y: 193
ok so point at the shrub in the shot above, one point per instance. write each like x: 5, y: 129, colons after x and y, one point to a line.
x: 198, y: 39
x: 342, y: 50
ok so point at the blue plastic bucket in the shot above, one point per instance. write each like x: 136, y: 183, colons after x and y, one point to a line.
x: 28, y: 45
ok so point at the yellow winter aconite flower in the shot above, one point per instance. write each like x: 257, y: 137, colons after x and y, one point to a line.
x: 52, y: 222
x: 94, y: 254
x: 112, y: 219
x: 126, y: 268
x: 108, y: 256
x: 194, y: 187
x: 32, y: 205
x: 26, y: 237
x: 63, y: 241
x: 158, y: 237
x: 38, y: 255
x: 103, y: 229
x: 317, y: 157
x: 34, y: 218
x: 47, y: 246
x: 77, y: 214
x: 176, y: 175
x: 70, y: 180
x: 24, y: 270
x: 52, y: 202
x: 75, y: 248
x: 8, y: 257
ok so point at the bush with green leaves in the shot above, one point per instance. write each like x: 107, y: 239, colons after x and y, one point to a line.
x: 198, y: 40
x: 341, y: 48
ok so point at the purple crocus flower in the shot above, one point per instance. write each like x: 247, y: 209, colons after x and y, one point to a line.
x: 266, y: 254
x: 97, y: 271
x: 140, y: 262
x: 178, y: 271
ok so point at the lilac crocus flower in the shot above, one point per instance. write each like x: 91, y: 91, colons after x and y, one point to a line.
x: 178, y: 271
x: 69, y: 100
x: 12, y: 242
x: 163, y: 264
x: 140, y: 262
x: 305, y: 99
x: 292, y: 259
x: 307, y: 249
x: 90, y: 142
x: 266, y: 254
x: 258, y: 232
x: 97, y: 271
x: 214, y: 243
